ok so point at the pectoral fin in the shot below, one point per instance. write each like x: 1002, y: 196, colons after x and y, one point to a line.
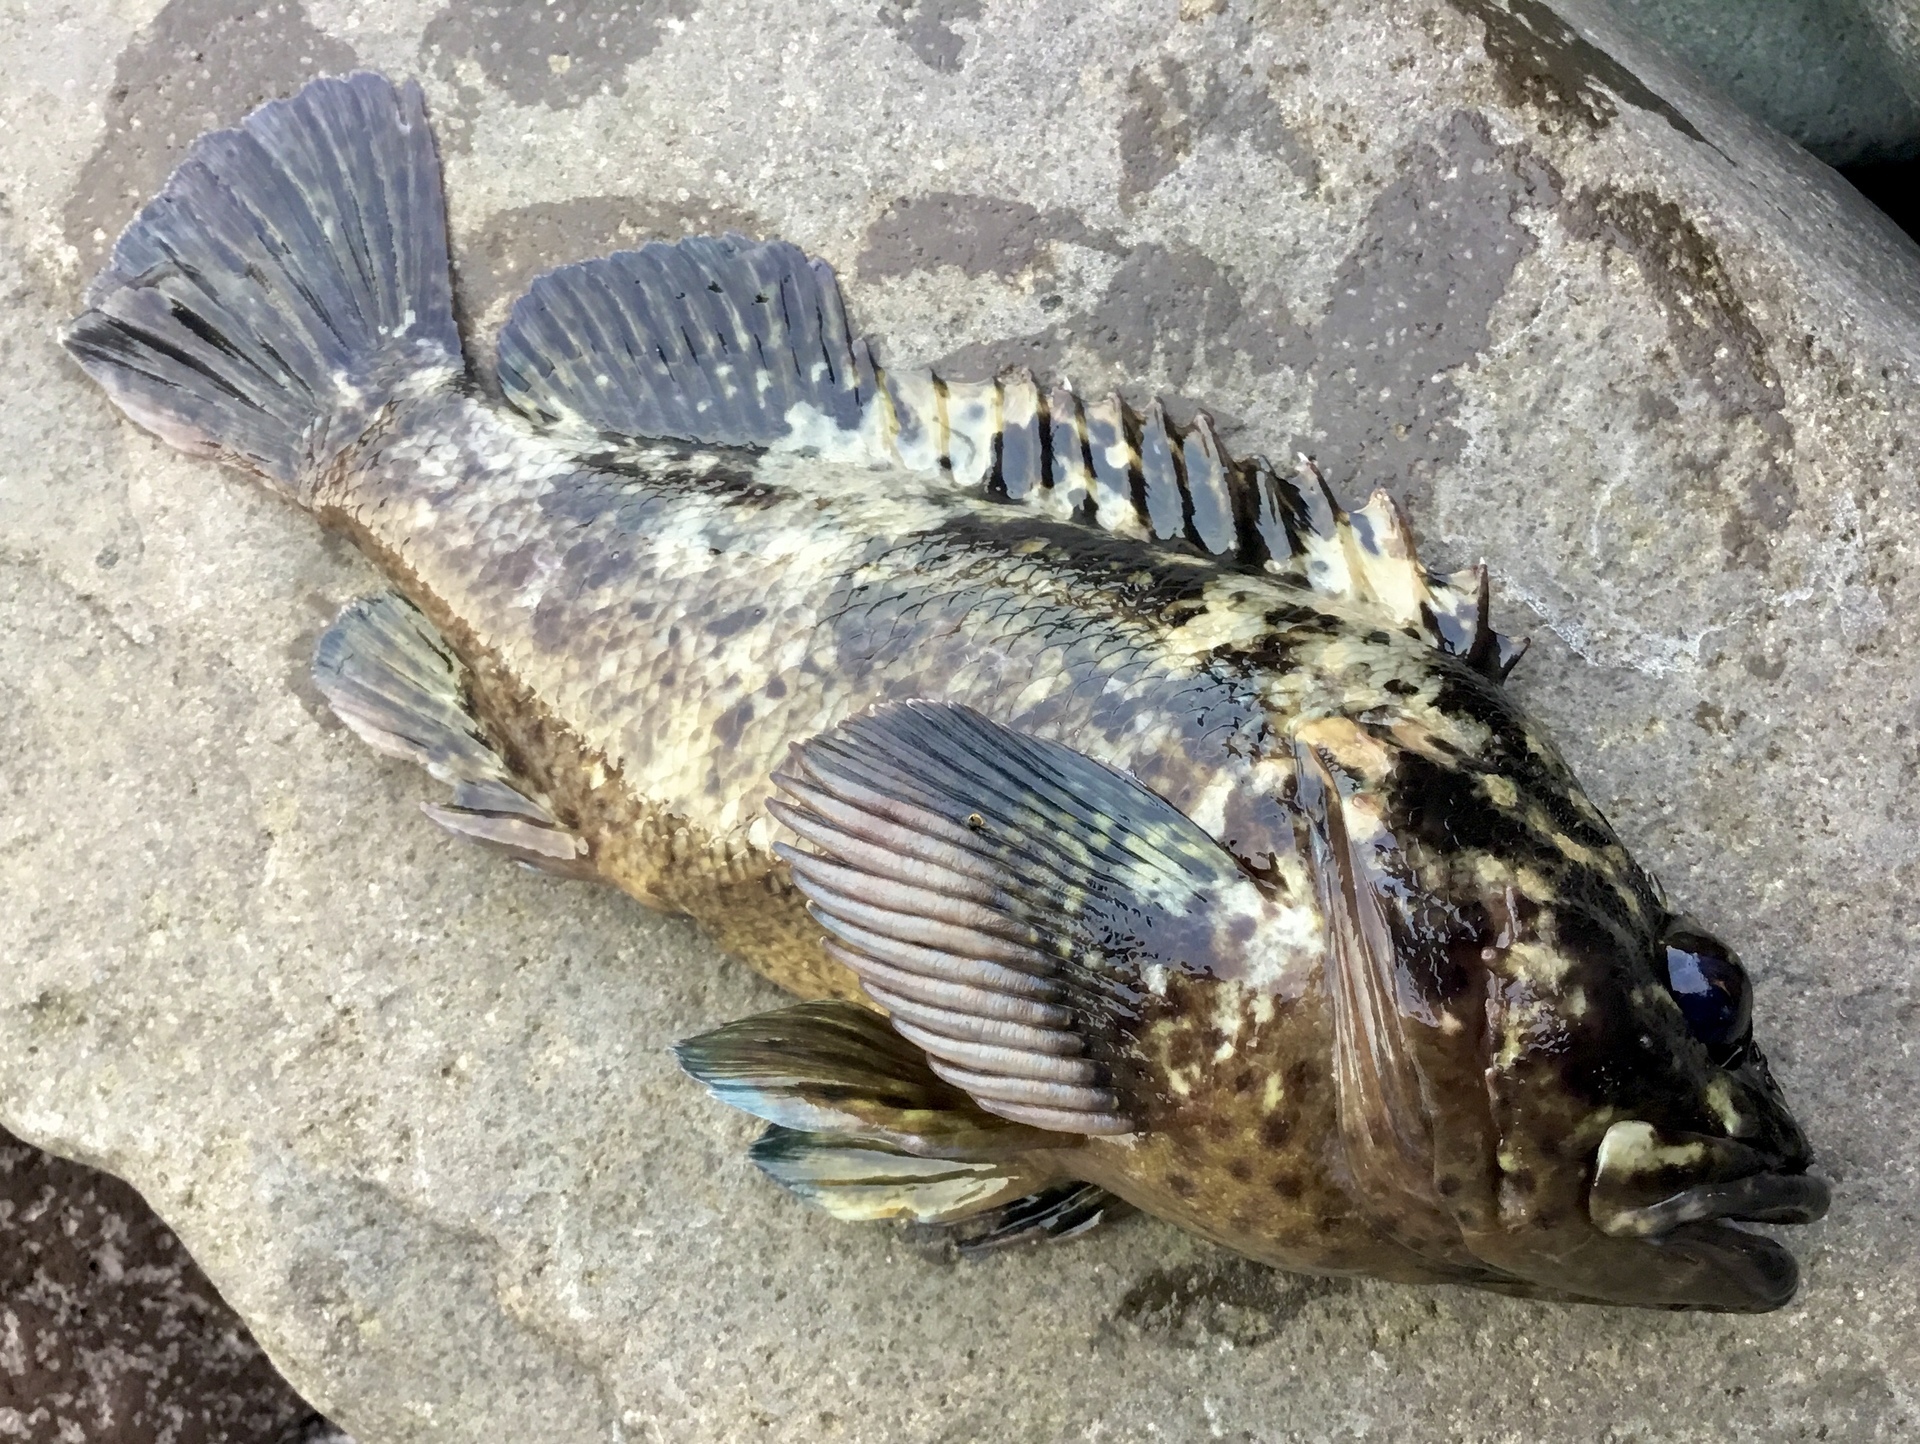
x: 1000, y: 897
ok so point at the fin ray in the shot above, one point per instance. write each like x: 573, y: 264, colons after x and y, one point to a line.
x: 392, y: 679
x: 1053, y: 1215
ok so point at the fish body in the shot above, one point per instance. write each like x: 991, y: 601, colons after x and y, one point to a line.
x: 1172, y: 831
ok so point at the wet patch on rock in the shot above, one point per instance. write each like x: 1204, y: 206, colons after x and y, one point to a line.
x: 1545, y: 63
x: 1169, y: 311
x: 1412, y: 302
x: 1714, y: 338
x: 982, y: 235
x: 111, y: 1332
x: 1171, y: 109
x: 1176, y: 308
x: 552, y: 55
x: 200, y: 65
x: 926, y: 28
x: 497, y: 262
x: 1234, y: 1299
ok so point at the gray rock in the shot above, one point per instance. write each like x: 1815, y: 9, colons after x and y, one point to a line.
x: 1899, y: 22
x: 412, y: 1110
x: 1842, y: 77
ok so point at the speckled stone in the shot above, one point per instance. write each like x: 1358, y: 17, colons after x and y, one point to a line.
x: 412, y: 1110
x: 109, y: 1333
x: 1899, y: 24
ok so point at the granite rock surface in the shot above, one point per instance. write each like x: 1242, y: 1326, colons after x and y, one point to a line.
x: 412, y: 1110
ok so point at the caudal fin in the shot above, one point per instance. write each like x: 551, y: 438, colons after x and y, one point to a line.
x: 288, y: 282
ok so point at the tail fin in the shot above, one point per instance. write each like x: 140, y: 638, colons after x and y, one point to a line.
x: 288, y: 282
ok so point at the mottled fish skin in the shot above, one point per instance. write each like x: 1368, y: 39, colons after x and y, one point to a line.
x: 683, y: 619
x: 651, y: 636
x: 1436, y: 1039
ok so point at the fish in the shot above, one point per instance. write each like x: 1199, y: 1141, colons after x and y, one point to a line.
x: 1136, y: 827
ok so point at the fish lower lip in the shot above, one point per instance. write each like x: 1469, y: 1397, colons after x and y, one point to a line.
x: 1755, y: 1272
x: 1757, y: 1198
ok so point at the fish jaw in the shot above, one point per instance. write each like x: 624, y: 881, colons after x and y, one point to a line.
x: 1648, y: 1182
x: 1683, y: 1196
x: 1659, y: 1226
x: 1631, y: 1186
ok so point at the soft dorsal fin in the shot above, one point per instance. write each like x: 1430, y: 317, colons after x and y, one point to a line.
x: 731, y: 342
x: 711, y: 339
x: 1006, y: 899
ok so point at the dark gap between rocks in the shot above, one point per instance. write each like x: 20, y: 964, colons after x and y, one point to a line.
x: 1894, y: 187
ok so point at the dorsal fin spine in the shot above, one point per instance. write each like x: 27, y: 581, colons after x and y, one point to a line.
x: 1210, y: 510
x: 943, y: 425
x: 1116, y: 468
x: 1265, y: 521
x: 1021, y: 436
x: 1163, y: 505
x: 731, y: 342
x: 1071, y: 473
x: 972, y: 422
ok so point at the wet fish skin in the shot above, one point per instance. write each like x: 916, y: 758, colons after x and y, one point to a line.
x: 1431, y: 1038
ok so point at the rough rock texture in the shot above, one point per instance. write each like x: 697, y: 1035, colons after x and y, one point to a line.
x: 412, y: 1109
x: 1899, y: 22
x: 112, y: 1334
x: 1842, y: 77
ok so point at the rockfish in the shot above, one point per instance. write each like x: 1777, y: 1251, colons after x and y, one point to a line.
x: 1174, y: 840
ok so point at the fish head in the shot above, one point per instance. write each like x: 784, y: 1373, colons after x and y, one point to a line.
x: 1552, y: 1057
x: 1637, y: 1124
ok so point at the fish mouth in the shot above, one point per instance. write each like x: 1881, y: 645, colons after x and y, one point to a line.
x: 1766, y: 1197
x: 1750, y: 1272
x: 1691, y: 1196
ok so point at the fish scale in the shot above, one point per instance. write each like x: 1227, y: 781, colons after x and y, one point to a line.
x: 1173, y: 837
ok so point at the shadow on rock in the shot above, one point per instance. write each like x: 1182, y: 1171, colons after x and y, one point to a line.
x: 1229, y: 1298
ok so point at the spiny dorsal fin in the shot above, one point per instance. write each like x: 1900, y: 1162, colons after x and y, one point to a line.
x: 1139, y: 475
x: 730, y: 342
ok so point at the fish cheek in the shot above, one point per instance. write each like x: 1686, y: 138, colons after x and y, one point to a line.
x: 1626, y: 1049
x: 1557, y: 1078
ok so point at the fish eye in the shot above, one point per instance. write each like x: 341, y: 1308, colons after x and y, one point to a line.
x: 1711, y: 987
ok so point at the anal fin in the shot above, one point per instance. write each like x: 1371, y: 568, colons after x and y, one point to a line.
x: 1053, y: 1215
x: 861, y: 1181
x: 387, y: 673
